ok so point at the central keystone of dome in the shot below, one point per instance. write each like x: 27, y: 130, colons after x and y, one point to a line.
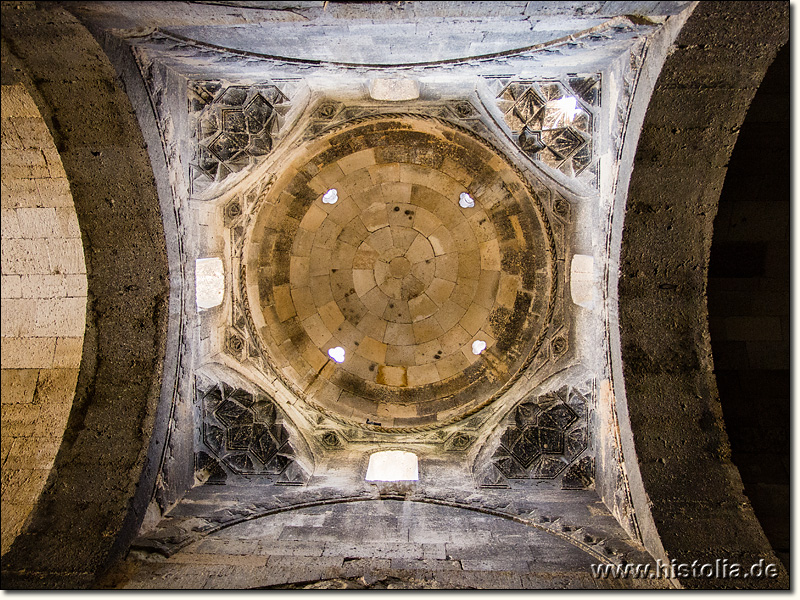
x: 398, y: 274
x: 399, y: 267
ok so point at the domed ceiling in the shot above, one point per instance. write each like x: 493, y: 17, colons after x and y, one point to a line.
x: 400, y: 272
x: 383, y: 247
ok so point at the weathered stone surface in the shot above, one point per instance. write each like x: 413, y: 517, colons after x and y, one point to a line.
x: 666, y: 351
x: 247, y: 135
x: 99, y: 163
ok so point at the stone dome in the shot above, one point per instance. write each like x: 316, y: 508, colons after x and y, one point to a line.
x: 397, y: 273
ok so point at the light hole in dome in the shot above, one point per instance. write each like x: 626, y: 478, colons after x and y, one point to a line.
x: 337, y: 354
x: 330, y: 197
x: 465, y: 200
x: 568, y: 107
x: 209, y: 282
x: 478, y: 346
x: 392, y: 465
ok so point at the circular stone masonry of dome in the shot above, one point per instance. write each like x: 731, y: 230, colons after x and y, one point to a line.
x: 399, y: 274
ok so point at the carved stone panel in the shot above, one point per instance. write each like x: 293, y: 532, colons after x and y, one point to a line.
x: 235, y: 126
x: 244, y: 433
x: 551, y: 121
x: 542, y: 438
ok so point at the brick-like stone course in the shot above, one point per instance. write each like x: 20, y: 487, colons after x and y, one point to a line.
x: 44, y: 292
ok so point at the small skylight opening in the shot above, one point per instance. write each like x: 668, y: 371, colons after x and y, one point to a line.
x: 337, y: 354
x: 330, y: 197
x: 478, y: 346
x: 393, y: 465
x: 466, y: 201
x: 209, y: 282
x: 567, y: 105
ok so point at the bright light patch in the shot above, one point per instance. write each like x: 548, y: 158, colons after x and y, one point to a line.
x: 330, y: 197
x: 478, y: 346
x: 582, y: 281
x: 393, y: 465
x: 466, y: 201
x: 209, y: 282
x: 337, y: 354
x: 568, y: 106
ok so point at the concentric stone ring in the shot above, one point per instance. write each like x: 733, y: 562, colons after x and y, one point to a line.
x: 398, y: 274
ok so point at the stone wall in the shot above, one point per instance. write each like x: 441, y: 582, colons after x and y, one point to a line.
x: 748, y: 303
x: 113, y: 449
x: 373, y: 544
x: 693, y: 489
x: 93, y: 492
x: 43, y: 305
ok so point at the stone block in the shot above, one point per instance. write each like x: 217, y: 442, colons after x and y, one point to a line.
x: 472, y: 551
x: 53, y: 161
x: 56, y: 386
x: 13, y: 517
x: 290, y: 548
x: 385, y: 550
x: 394, y: 90
x: 32, y: 132
x: 356, y: 567
x: 209, y: 282
x: 66, y: 256
x: 175, y: 577
x: 19, y: 419
x: 18, y: 317
x: 23, y: 256
x: 357, y: 160
x: 290, y: 562
x: 28, y: 352
x: 52, y: 419
x: 76, y: 286
x: 23, y: 485
x: 245, y: 577
x: 68, y: 352
x: 265, y: 531
x: 9, y: 138
x: 18, y: 192
x: 32, y: 453
x: 18, y: 386
x: 582, y: 280
x: 17, y: 102
x: 11, y: 286
x: 227, y: 546
x: 9, y: 224
x: 6, y: 442
x: 59, y: 317
x: 43, y: 286
x: 24, y: 163
x: 310, y: 534
x: 479, y: 580
x: 487, y: 564
x: 424, y: 533
x: 68, y: 226
x: 54, y: 192
x: 426, y: 564
x: 194, y: 558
